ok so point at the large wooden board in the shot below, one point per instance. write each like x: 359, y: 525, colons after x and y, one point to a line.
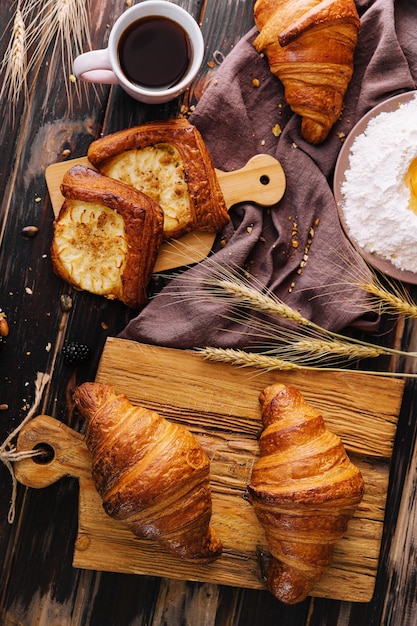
x: 219, y: 403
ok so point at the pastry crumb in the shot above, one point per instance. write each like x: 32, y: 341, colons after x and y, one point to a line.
x: 276, y: 130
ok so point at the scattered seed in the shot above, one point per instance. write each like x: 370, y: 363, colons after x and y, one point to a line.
x: 30, y: 231
x: 276, y: 130
x: 4, y: 327
x: 65, y: 302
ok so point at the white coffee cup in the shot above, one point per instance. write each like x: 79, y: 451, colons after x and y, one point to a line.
x: 106, y: 66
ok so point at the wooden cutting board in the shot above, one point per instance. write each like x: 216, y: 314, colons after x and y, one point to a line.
x: 261, y: 180
x: 219, y: 403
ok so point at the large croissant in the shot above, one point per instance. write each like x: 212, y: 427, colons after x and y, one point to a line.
x: 304, y: 490
x: 310, y: 46
x: 151, y: 474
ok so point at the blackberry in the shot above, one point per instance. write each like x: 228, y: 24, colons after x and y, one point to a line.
x: 75, y: 353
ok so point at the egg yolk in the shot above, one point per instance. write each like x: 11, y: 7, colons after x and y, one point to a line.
x: 411, y: 182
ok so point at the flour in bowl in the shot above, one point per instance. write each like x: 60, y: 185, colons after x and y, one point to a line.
x: 378, y: 206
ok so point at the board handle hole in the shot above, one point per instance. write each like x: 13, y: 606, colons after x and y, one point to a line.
x: 264, y: 179
x: 46, y: 454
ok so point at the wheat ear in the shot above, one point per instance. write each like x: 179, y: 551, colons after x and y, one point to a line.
x: 70, y: 16
x: 246, y: 359
x: 300, y: 344
x: 336, y: 348
x: 270, y: 304
x: 241, y: 358
x: 390, y: 302
x: 14, y: 64
x: 262, y: 302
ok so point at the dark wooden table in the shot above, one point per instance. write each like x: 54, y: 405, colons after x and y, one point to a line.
x: 38, y: 584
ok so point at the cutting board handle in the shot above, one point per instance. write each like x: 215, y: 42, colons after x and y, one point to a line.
x: 261, y: 180
x: 65, y: 453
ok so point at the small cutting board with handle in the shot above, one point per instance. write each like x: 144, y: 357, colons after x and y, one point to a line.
x: 261, y: 180
x: 219, y: 403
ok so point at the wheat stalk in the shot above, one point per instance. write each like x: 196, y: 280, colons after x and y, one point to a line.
x: 241, y: 358
x: 305, y: 340
x: 395, y: 301
x: 269, y: 303
x: 64, y: 23
x: 38, y: 24
x: 389, y: 296
x: 337, y: 348
x: 302, y: 345
x: 14, y: 64
x: 246, y: 359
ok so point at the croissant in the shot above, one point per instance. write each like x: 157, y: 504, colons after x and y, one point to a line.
x: 151, y: 474
x: 106, y: 237
x: 310, y: 47
x: 304, y: 490
x: 168, y: 160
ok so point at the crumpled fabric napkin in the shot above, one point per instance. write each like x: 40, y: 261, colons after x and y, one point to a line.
x: 236, y: 120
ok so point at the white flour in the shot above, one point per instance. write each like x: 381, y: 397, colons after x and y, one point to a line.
x: 376, y: 198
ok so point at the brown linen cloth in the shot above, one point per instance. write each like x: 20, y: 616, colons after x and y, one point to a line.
x: 236, y: 120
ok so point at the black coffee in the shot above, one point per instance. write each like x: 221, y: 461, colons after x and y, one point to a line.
x: 154, y: 52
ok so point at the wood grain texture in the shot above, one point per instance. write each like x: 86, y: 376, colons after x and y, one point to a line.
x: 219, y: 403
x: 38, y: 584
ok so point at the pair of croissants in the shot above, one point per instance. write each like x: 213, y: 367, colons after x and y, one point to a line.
x: 154, y: 476
x: 310, y: 47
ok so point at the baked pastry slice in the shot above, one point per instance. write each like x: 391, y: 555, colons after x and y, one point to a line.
x: 106, y: 236
x: 304, y: 490
x: 310, y: 46
x: 152, y: 474
x: 167, y: 160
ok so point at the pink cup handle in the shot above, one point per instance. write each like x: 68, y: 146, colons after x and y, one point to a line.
x: 95, y: 67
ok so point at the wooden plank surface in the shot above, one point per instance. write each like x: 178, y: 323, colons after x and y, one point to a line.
x: 38, y: 583
x: 219, y: 403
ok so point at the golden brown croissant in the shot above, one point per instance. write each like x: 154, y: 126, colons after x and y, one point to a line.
x: 304, y: 490
x: 310, y: 46
x: 151, y: 474
x: 167, y: 160
x: 107, y: 236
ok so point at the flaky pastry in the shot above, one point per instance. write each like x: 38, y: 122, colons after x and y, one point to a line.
x: 304, y: 490
x: 106, y: 236
x: 152, y: 474
x: 310, y: 46
x: 167, y: 160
